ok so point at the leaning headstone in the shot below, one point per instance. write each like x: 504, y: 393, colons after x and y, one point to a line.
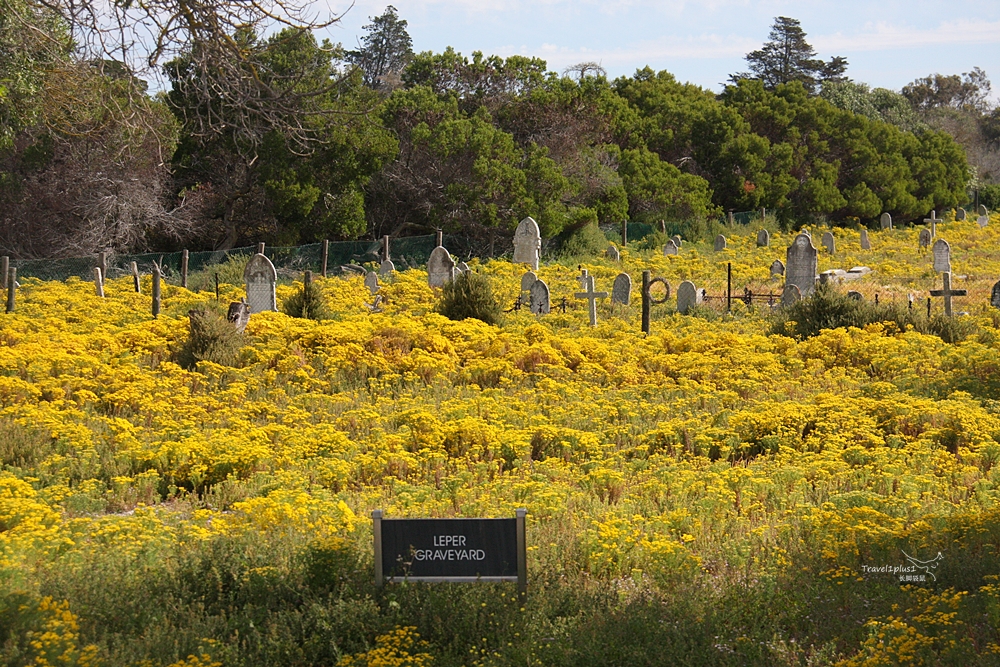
x: 942, y: 256
x: 440, y: 267
x: 670, y: 248
x: 688, y: 296
x: 925, y: 238
x: 995, y: 295
x: 621, y: 291
x: 763, y: 238
x: 800, y: 264
x: 386, y: 268
x: 885, y: 221
x: 790, y: 294
x: 527, y: 243
x: 865, y: 243
x: 239, y: 315
x: 260, y: 278
x: 612, y: 253
x: 538, y: 298
x: 960, y: 215
x: 527, y: 280
x: 371, y: 282
x: 720, y: 243
x: 777, y: 268
x: 829, y: 243
x: 676, y: 238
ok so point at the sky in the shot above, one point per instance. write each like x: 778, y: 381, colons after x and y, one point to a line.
x: 887, y: 43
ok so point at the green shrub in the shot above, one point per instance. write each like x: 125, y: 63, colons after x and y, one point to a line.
x: 654, y: 241
x: 584, y: 237
x: 470, y: 295
x: 307, y: 303
x: 230, y: 273
x: 212, y: 338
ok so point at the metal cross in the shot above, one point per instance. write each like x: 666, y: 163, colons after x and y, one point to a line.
x: 593, y: 296
x: 948, y: 292
x: 933, y: 220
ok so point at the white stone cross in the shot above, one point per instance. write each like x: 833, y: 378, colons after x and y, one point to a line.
x: 948, y: 292
x: 933, y: 220
x: 593, y: 296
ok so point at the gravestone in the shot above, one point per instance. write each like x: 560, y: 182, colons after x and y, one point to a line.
x: 720, y: 243
x: 612, y: 253
x: 942, y: 256
x: 260, y: 278
x: 670, y: 248
x: 676, y: 238
x: 538, y: 299
x: 865, y: 243
x: 592, y: 295
x: 995, y: 295
x: 462, y: 267
x: 984, y: 216
x: 960, y: 215
x: 239, y: 315
x: 829, y: 243
x: 527, y: 280
x: 527, y: 243
x: 583, y: 278
x: 947, y: 292
x: 933, y: 220
x: 386, y: 268
x: 857, y: 296
x: 885, y: 221
x: 371, y: 282
x: 790, y: 294
x: 621, y: 291
x: 688, y: 296
x: 925, y: 238
x: 763, y: 238
x: 777, y: 268
x: 983, y: 210
x: 800, y: 264
x: 440, y: 267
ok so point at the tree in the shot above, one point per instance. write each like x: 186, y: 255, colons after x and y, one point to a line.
x: 969, y: 91
x: 787, y: 57
x: 385, y: 50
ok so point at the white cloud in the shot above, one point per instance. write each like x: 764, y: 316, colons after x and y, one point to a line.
x: 883, y: 36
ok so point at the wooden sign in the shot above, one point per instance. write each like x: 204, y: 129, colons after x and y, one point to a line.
x: 450, y: 550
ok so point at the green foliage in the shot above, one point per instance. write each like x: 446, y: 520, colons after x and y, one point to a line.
x: 385, y: 48
x: 470, y: 295
x: 211, y: 338
x: 307, y: 303
x: 585, y: 238
x: 230, y: 272
x: 989, y: 196
x: 787, y: 57
x: 878, y: 104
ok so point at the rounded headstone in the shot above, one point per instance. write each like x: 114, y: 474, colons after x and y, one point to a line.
x: 763, y: 238
x: 687, y: 296
x: 983, y: 210
x: 260, y: 278
x: 790, y: 294
x: 371, y: 282
x: 995, y: 295
x: 612, y: 253
x: 857, y: 296
x: 670, y: 248
x: 527, y: 243
x: 539, y: 298
x: 942, y: 256
x: 621, y: 291
x: 386, y: 268
x: 676, y: 238
x: 829, y: 243
x: 885, y: 221
x: 960, y: 214
x: 462, y: 267
x: 720, y: 243
x: 440, y: 268
x: 801, y: 262
x: 925, y: 238
x: 777, y: 268
x: 527, y: 280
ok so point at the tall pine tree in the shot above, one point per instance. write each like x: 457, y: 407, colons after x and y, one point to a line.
x: 384, y: 51
x: 787, y: 56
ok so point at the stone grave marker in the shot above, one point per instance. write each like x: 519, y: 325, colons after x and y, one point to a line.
x: 670, y: 248
x: 612, y: 253
x: 583, y: 278
x: 440, y: 267
x: 857, y: 296
x: 885, y: 222
x: 983, y: 210
x: 829, y: 243
x: 790, y: 294
x: 933, y: 220
x: 676, y: 238
x: 947, y: 293
x: 538, y: 299
x: 720, y: 243
x: 925, y: 238
x: 527, y: 280
x: 386, y: 268
x: 995, y: 295
x: 239, y: 315
x: 371, y: 282
x: 621, y: 292
x: 865, y: 243
x: 527, y: 243
x: 800, y: 264
x: 984, y: 216
x: 688, y: 296
x: 260, y: 278
x: 942, y: 256
x: 961, y: 215
x: 462, y: 267
x: 777, y: 268
x: 763, y: 238
x: 592, y: 296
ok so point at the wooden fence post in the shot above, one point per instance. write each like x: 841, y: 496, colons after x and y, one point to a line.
x: 729, y: 287
x: 156, y: 290
x: 12, y: 288
x: 645, y: 301
x: 135, y: 278
x: 260, y: 248
x: 326, y: 256
x: 98, y: 282
x: 184, y: 269
x: 4, y: 267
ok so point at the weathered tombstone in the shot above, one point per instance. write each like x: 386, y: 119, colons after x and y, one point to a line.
x: 777, y: 268
x: 829, y: 243
x: 386, y: 268
x: 942, y: 256
x: 688, y: 296
x: 98, y: 282
x: 832, y: 276
x: 612, y: 253
x: 984, y: 216
x: 670, y: 248
x: 983, y: 210
x: 592, y: 296
x: 865, y: 243
x: 527, y: 280
x: 441, y: 267
x: 763, y: 238
x: 925, y: 238
x: 260, y: 278
x: 720, y: 243
x: 621, y: 291
x: 676, y: 238
x: 583, y: 278
x: 857, y: 296
x: 885, y: 222
x: 527, y: 243
x: 995, y: 295
x: 933, y: 220
x: 371, y: 282
x: 800, y: 264
x: 538, y: 298
x: 790, y: 294
x: 239, y: 315
x: 960, y: 214
x: 462, y: 267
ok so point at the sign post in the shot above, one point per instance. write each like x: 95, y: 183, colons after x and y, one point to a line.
x: 451, y: 550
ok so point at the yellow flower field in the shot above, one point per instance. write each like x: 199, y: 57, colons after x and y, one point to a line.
x: 710, y: 457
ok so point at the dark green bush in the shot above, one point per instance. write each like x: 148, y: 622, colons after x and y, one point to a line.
x: 584, y: 236
x: 307, y: 303
x: 470, y: 295
x: 212, y: 338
